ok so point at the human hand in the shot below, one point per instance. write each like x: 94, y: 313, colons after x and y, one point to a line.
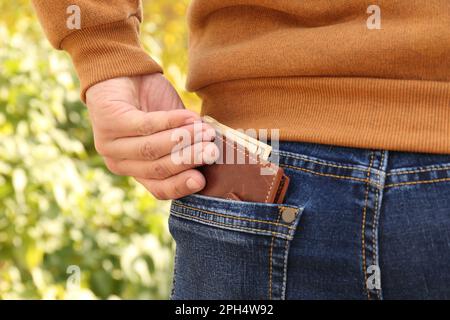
x: 134, y: 121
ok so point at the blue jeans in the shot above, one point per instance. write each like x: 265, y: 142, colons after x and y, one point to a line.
x: 356, y: 224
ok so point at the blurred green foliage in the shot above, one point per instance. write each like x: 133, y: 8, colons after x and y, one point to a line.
x: 59, y: 206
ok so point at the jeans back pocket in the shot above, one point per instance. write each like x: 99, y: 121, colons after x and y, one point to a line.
x: 230, y: 249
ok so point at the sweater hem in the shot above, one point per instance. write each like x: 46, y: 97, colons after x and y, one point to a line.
x: 369, y: 113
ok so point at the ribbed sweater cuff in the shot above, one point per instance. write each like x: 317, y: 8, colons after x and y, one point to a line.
x: 108, y: 51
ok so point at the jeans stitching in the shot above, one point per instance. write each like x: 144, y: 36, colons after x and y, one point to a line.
x: 290, y: 155
x: 174, y: 277
x: 286, y: 249
x: 375, y: 220
x: 367, y: 180
x: 209, y: 222
x: 374, y: 244
x: 398, y: 173
x: 286, y: 255
x: 232, y: 216
x: 271, y: 257
x: 380, y: 167
x: 417, y: 182
x: 363, y: 228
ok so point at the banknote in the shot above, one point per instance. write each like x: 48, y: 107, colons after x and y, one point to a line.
x: 253, y: 145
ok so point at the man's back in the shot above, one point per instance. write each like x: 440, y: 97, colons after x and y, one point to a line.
x: 344, y: 72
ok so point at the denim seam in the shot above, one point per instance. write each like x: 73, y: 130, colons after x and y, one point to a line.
x: 374, y: 240
x: 375, y: 222
x: 286, y: 251
x: 229, y: 227
x: 367, y: 180
x: 172, y: 294
x: 363, y: 227
x: 380, y: 167
x: 291, y: 155
x: 399, y: 172
x: 271, y: 258
x: 234, y: 217
x: 417, y: 182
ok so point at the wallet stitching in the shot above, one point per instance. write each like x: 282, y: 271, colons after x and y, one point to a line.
x: 270, y: 189
x: 280, y: 188
x: 258, y: 163
x: 273, y: 233
x: 233, y: 217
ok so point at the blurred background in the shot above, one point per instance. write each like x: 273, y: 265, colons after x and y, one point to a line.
x: 69, y: 228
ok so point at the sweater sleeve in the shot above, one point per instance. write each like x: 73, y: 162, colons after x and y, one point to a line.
x: 102, y: 37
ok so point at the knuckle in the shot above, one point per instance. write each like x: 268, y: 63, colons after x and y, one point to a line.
x: 146, y: 128
x: 148, y: 151
x: 112, y: 166
x: 177, y: 191
x: 160, y: 171
x: 169, y: 122
x: 159, y: 194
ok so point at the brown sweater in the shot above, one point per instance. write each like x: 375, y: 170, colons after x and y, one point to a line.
x: 313, y: 69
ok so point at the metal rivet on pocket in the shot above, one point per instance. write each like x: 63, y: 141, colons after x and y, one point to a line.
x: 288, y: 214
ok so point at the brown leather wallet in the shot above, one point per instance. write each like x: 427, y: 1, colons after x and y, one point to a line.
x: 241, y: 175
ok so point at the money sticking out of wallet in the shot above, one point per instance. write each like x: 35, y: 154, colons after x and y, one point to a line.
x: 243, y: 171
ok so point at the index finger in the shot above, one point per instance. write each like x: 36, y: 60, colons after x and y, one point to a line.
x: 138, y: 123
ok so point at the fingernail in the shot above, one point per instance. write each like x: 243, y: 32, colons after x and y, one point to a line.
x: 193, y: 184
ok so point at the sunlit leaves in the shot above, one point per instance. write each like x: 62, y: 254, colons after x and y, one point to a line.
x: 59, y: 206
